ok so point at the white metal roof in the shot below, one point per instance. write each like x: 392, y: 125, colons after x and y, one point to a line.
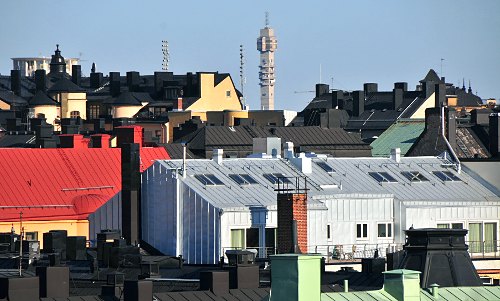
x: 350, y: 179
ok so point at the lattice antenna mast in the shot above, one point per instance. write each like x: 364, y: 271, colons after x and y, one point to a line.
x: 267, y: 19
x: 242, y: 75
x: 166, y: 55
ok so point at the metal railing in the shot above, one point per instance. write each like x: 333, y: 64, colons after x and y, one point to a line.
x: 484, y: 249
x: 352, y: 252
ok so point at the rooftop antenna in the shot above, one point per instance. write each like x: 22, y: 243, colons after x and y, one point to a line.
x: 242, y: 75
x: 441, y: 71
x: 267, y: 19
x: 166, y: 55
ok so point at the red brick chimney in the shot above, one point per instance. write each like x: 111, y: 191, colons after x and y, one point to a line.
x: 292, y: 210
x: 73, y: 141
x: 100, y: 140
x: 178, y: 106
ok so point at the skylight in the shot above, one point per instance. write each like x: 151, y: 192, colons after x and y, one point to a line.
x: 275, y: 177
x: 209, y: 179
x: 325, y: 166
x: 446, y: 176
x: 243, y: 179
x: 382, y: 176
x: 414, y: 176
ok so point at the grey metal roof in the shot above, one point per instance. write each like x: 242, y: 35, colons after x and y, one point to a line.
x: 350, y: 179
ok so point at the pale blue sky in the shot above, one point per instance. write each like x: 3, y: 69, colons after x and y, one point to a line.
x: 360, y: 41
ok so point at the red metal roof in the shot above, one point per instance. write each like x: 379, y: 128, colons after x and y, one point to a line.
x: 64, y: 183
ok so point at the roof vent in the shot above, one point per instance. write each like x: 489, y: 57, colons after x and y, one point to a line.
x: 217, y: 155
x: 396, y: 154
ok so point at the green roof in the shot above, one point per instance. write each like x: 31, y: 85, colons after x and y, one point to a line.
x: 479, y: 293
x: 401, y: 134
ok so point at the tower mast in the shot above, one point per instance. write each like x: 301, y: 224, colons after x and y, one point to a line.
x: 267, y: 45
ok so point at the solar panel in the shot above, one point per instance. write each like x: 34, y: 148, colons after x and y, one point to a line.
x: 447, y: 176
x: 249, y: 179
x: 214, y: 179
x: 325, y: 166
x: 451, y: 175
x: 204, y: 180
x: 382, y: 176
x: 414, y: 176
x: 281, y: 178
x: 271, y: 178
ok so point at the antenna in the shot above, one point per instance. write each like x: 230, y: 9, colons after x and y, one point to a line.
x: 441, y: 71
x: 166, y: 55
x: 267, y: 19
x: 242, y: 74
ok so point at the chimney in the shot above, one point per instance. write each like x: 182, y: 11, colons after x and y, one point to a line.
x: 70, y: 126
x: 99, y: 125
x: 20, y: 289
x: 269, y: 145
x: 243, y: 276
x: 41, y: 80
x: 494, y: 134
x: 15, y: 82
x: 288, y: 151
x: 129, y: 134
x: 322, y: 89
x: 370, y: 87
x: 292, y: 223
x: 54, y: 281
x: 451, y: 124
x: 215, y: 281
x: 133, y: 81
x: 13, y: 124
x: 303, y: 163
x: 76, y: 74
x: 138, y: 291
x: 403, y: 284
x: 131, y: 178
x: 337, y: 96
x: 428, y: 88
x: 397, y: 98
x: 95, y: 80
x: 159, y: 78
x: 358, y: 106
x: 401, y: 85
x: 75, y: 141
x: 373, y: 265
x: 217, y: 155
x: 441, y: 256
x: 440, y: 95
x: 114, y: 285
x: 114, y: 83
x: 396, y: 154
x: 100, y: 140
x: 295, y: 277
x: 178, y: 106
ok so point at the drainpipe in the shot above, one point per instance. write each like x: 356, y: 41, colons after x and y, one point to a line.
x: 458, y: 166
x: 184, y: 160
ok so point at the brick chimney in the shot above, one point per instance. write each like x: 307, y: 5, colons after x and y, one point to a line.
x: 73, y: 141
x: 178, y: 104
x: 129, y: 134
x: 100, y: 140
x: 292, y: 223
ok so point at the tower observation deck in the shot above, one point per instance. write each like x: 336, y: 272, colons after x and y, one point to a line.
x: 267, y: 45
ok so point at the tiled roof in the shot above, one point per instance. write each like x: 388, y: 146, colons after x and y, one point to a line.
x: 401, y: 135
x: 431, y: 76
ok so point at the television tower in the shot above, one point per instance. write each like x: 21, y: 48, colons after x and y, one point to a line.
x: 267, y: 45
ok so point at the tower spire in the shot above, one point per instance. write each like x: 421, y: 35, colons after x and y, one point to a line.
x: 267, y: 19
x: 463, y: 83
x: 470, y: 89
x: 267, y: 45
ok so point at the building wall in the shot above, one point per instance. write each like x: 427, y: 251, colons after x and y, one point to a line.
x: 50, y: 112
x: 74, y: 227
x: 4, y: 105
x: 428, y: 103
x: 156, y: 128
x: 28, y: 66
x: 125, y: 111
x: 73, y: 102
x: 215, y: 98
x: 108, y: 216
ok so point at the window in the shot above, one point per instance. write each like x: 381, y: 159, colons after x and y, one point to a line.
x: 243, y: 179
x: 483, y: 237
x: 275, y: 177
x: 94, y: 111
x: 252, y: 238
x: 325, y: 166
x: 414, y: 176
x: 361, y: 230
x: 209, y: 179
x: 446, y: 176
x: 382, y: 176
x: 384, y: 230
x: 74, y: 114
x: 237, y: 238
x: 450, y: 226
x: 228, y: 93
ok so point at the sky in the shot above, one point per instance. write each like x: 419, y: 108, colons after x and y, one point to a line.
x: 351, y: 42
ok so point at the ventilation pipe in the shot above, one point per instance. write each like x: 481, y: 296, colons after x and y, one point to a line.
x: 184, y: 159
x: 455, y: 157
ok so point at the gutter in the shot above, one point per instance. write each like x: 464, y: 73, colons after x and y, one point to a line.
x: 457, y: 165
